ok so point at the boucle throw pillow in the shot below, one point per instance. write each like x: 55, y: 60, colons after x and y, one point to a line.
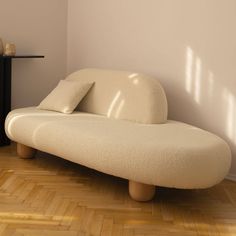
x: 65, y: 97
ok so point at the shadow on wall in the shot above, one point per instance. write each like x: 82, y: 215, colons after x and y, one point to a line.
x: 212, y: 98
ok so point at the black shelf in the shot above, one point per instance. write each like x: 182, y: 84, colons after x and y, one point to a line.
x: 22, y: 56
x: 5, y: 91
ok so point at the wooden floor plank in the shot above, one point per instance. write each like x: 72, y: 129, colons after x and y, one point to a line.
x: 52, y: 196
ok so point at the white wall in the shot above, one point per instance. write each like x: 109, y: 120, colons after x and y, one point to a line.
x: 189, y: 45
x: 36, y: 27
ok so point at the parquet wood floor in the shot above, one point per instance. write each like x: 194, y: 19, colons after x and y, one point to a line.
x: 50, y: 196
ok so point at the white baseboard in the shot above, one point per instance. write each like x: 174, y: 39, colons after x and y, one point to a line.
x: 231, y: 177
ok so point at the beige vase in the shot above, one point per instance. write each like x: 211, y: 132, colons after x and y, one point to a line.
x: 10, y: 49
x: 1, y: 47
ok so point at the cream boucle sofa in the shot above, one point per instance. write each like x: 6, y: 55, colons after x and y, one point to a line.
x: 121, y: 129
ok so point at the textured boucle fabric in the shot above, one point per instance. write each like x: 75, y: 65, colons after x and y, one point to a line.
x: 173, y: 154
x: 123, y: 95
x: 65, y: 96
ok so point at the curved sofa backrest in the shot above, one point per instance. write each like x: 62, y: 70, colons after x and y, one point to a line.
x: 123, y: 95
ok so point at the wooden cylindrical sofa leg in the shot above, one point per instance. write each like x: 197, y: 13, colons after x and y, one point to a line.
x: 24, y: 151
x: 141, y: 192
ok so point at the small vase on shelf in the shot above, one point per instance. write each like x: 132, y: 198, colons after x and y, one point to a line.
x: 10, y: 49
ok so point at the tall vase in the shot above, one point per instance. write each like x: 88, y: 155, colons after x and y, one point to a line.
x: 1, y: 47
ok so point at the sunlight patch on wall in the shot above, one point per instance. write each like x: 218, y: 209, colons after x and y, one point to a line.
x: 189, y: 69
x: 230, y: 114
x: 193, y: 73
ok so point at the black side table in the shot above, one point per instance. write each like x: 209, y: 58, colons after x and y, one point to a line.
x: 5, y: 91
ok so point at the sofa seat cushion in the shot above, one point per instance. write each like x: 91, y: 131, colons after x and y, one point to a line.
x: 171, y: 155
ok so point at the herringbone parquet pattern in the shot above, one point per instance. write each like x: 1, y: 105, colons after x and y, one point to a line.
x: 50, y: 196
